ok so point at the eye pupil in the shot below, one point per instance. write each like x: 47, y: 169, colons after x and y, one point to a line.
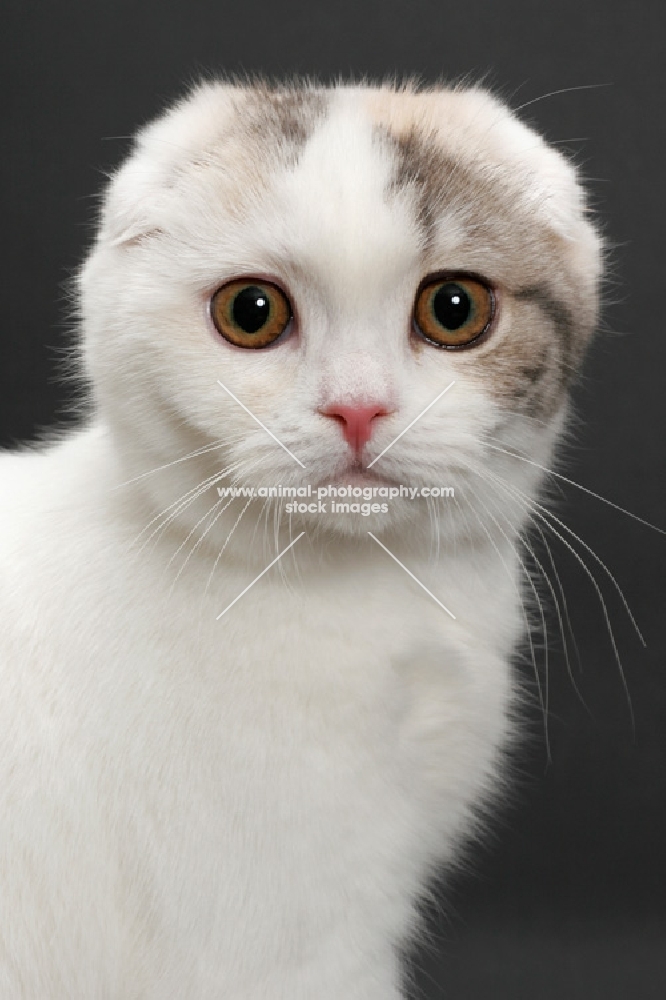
x: 451, y: 306
x: 251, y: 309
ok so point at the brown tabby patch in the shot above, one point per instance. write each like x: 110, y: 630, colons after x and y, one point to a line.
x: 283, y: 117
x: 529, y: 367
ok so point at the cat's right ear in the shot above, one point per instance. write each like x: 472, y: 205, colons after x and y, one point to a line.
x: 137, y: 199
x: 128, y: 212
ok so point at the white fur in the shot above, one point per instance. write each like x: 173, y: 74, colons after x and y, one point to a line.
x: 247, y: 808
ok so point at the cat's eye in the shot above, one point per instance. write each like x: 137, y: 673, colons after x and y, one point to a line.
x: 454, y: 311
x: 250, y: 313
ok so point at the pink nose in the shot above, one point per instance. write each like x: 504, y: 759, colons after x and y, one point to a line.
x: 356, y: 421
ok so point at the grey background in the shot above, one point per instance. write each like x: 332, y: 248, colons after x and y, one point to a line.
x: 565, y: 897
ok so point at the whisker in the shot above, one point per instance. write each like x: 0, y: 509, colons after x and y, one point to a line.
x: 228, y: 538
x: 183, y: 458
x: 543, y: 690
x: 558, y: 609
x: 176, y: 507
x: 268, y: 509
x: 434, y: 529
x: 567, y: 619
x: 276, y: 540
x: 293, y: 558
x: 571, y: 482
x: 193, y: 529
x: 297, y: 568
x: 587, y: 547
x: 599, y: 593
x: 562, y: 90
x: 468, y: 530
x: 258, y: 522
x: 179, y: 505
x: 199, y: 540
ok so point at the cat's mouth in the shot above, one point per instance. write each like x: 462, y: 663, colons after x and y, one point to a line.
x: 357, y: 474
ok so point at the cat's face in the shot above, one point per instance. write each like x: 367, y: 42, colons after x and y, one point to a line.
x: 336, y: 259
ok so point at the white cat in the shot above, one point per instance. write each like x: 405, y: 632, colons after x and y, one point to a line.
x: 221, y: 797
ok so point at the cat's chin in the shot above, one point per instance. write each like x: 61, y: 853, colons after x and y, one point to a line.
x: 354, y: 516
x: 354, y: 524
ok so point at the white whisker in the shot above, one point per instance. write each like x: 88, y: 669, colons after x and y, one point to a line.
x: 562, y: 90
x: 588, y: 548
x: 228, y: 539
x: 543, y: 690
x: 556, y: 600
x: 183, y: 458
x: 597, y: 588
x: 571, y: 482
x: 176, y: 508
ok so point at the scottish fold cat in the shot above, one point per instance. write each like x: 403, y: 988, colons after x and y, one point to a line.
x: 257, y: 614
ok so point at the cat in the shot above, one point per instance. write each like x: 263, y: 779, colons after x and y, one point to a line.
x: 240, y: 735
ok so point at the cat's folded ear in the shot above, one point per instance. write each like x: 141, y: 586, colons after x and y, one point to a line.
x: 547, y: 184
x: 481, y: 125
x: 130, y: 203
x: 136, y: 201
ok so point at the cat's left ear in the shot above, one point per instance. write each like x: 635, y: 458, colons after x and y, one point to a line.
x: 549, y: 185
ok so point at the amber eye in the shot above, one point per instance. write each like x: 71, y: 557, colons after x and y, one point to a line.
x: 250, y: 313
x: 455, y: 311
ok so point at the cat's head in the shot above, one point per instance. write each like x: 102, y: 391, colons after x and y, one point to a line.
x: 336, y: 258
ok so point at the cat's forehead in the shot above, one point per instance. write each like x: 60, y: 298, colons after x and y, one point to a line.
x: 339, y: 203
x: 352, y: 151
x: 351, y: 175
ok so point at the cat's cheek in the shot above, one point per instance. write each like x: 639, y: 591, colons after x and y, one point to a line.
x: 521, y: 368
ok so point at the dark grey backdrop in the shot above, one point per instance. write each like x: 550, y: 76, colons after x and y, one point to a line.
x: 567, y: 897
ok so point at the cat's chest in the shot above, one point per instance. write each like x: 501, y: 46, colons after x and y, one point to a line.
x: 272, y: 772
x: 310, y: 678
x: 274, y: 754
x: 295, y: 696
